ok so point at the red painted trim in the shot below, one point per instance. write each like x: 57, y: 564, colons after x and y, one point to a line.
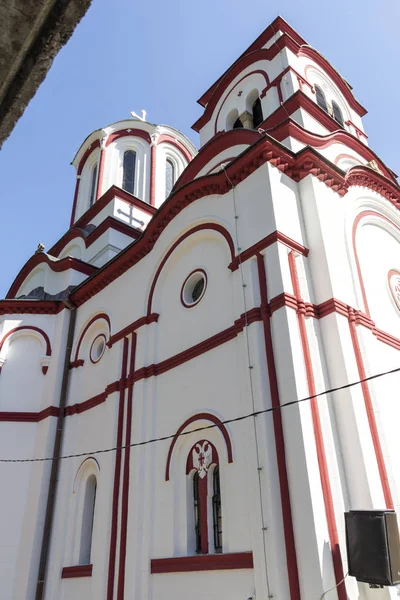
x: 125, y: 484
x: 203, y: 226
x: 357, y: 220
x: 97, y: 317
x: 78, y: 180
x: 30, y: 307
x: 391, y: 273
x: 212, y: 342
x: 203, y: 292
x: 81, y: 407
x: 366, y: 177
x: 165, y: 138
x: 279, y: 24
x: 229, y: 77
x: 272, y: 238
x: 342, y: 156
x: 266, y: 87
x: 319, y: 440
x: 202, y: 562
x: 128, y: 132
x: 213, y: 147
x: 57, y: 266
x: 153, y: 167
x: 297, y: 166
x: 87, y: 153
x: 299, y: 100
x: 74, y: 364
x: 29, y: 417
x: 92, y: 360
x: 100, y: 174
x: 106, y: 198
x: 254, y: 54
x: 29, y: 327
x: 203, y: 494
x: 369, y: 407
x: 77, y: 571
x: 290, y: 128
x: 314, y: 55
x: 193, y: 419
x: 153, y: 318
x: 290, y: 547
x: 117, y: 477
x: 108, y: 223
x: 359, y: 132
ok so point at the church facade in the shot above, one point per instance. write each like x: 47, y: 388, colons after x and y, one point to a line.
x: 147, y: 355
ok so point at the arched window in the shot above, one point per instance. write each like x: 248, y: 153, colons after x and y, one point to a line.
x: 196, y: 506
x: 217, y: 513
x: 93, y: 183
x: 169, y: 177
x: 206, y: 497
x: 321, y: 100
x: 128, y: 178
x: 337, y: 113
x: 238, y: 124
x: 89, y: 500
x: 257, y: 113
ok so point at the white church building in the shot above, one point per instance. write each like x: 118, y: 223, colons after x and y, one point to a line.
x: 191, y: 290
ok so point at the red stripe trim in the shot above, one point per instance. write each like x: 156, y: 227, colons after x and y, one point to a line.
x: 117, y: 476
x: 272, y: 238
x: 199, y: 417
x: 30, y: 307
x: 279, y: 437
x: 125, y: 484
x: 105, y: 318
x: 32, y: 328
x: 319, y: 441
x: 77, y: 571
x: 100, y: 173
x: 202, y: 562
x: 152, y: 318
x: 29, y: 417
x: 203, y: 226
x: 370, y: 413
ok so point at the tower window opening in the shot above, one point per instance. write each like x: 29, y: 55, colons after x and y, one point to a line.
x: 93, y: 182
x: 197, y: 516
x: 257, y: 113
x: 87, y: 521
x: 337, y: 113
x: 238, y: 124
x: 217, y: 513
x: 169, y: 177
x: 129, y: 168
x: 321, y: 100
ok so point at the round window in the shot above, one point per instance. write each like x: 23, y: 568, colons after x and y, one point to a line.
x: 98, y: 348
x: 194, y: 288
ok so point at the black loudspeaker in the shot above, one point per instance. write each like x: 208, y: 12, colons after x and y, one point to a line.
x: 373, y: 546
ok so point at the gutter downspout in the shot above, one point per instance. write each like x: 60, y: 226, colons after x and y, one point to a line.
x: 48, y: 522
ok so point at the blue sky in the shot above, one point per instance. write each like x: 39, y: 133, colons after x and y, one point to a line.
x: 161, y: 56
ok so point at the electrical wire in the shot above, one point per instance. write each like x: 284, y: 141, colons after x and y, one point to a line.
x: 334, y: 587
x: 205, y: 427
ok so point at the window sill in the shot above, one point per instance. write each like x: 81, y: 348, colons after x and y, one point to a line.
x: 202, y: 562
x: 77, y: 571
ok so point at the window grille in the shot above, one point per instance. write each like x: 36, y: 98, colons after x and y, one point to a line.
x: 196, y: 504
x: 321, y: 100
x: 128, y: 179
x: 93, y: 185
x: 217, y: 513
x: 337, y: 114
x: 198, y: 289
x: 257, y: 113
x: 169, y: 177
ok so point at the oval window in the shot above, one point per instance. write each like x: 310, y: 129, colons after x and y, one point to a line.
x: 98, y: 348
x: 194, y: 288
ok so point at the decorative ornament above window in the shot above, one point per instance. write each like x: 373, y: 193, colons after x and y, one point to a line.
x: 202, y: 455
x: 394, y: 286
